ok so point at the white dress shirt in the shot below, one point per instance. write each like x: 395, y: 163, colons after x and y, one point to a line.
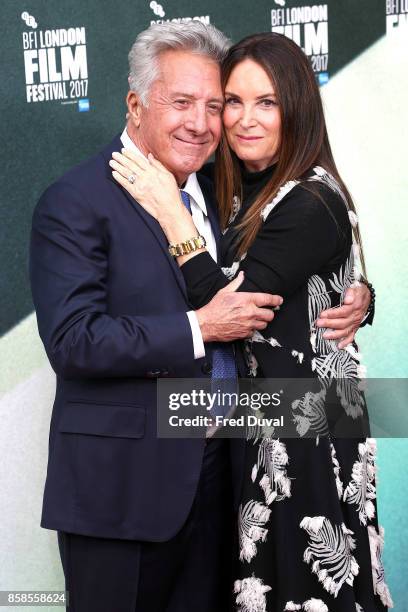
x: 203, y: 225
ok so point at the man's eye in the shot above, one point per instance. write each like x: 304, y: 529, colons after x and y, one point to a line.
x: 181, y: 102
x: 215, y: 108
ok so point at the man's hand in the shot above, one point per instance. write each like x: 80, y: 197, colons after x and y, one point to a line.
x: 233, y: 316
x: 343, y: 322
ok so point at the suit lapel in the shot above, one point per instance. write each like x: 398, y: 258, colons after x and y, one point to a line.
x: 151, y: 223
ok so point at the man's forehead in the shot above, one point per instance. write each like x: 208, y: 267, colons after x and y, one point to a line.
x: 184, y: 56
x: 185, y: 63
x: 188, y: 80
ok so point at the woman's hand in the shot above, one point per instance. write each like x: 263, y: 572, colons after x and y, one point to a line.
x: 342, y: 323
x: 155, y: 188
x: 150, y: 183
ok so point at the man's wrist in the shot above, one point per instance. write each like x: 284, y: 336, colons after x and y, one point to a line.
x: 203, y: 324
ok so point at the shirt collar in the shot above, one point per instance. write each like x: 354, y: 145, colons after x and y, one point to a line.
x: 192, y: 186
x: 128, y: 143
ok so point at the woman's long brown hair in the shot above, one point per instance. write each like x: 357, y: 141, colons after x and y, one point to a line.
x: 304, y: 142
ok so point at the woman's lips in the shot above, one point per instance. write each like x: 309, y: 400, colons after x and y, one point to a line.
x: 248, y: 138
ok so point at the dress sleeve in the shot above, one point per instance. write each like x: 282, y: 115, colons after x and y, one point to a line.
x: 300, y: 237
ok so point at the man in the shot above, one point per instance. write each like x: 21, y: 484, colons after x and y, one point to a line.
x: 143, y: 522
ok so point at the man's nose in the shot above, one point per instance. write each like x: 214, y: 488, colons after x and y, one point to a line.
x: 197, y: 120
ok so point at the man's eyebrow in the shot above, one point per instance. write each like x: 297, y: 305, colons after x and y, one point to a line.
x: 175, y: 94
x: 183, y: 94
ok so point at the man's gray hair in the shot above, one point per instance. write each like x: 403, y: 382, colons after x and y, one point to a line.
x: 194, y: 37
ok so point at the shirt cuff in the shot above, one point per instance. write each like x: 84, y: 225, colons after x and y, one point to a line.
x: 198, y: 344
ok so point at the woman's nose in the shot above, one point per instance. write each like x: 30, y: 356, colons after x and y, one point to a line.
x: 247, y: 118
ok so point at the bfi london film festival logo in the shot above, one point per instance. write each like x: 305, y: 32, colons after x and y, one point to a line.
x: 396, y: 15
x: 157, y: 9
x: 160, y: 12
x: 55, y: 64
x: 308, y: 26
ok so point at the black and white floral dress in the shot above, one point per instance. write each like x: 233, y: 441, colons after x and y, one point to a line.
x: 308, y: 532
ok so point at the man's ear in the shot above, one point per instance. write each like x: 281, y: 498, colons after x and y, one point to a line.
x: 134, y: 106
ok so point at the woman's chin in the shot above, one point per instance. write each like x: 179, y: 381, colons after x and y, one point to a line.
x: 245, y: 155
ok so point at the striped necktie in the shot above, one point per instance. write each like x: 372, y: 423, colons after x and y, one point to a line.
x: 224, y: 371
x: 186, y: 200
x: 224, y: 380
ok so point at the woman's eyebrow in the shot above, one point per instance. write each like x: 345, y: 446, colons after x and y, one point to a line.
x: 265, y: 95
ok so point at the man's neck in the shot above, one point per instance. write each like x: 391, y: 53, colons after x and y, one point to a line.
x: 133, y: 135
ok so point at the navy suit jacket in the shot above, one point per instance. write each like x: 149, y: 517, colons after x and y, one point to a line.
x: 111, y: 308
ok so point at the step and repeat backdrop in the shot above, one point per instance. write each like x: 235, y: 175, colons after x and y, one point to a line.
x: 63, y: 85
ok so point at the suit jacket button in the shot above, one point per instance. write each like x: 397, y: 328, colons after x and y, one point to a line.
x: 153, y: 373
x: 206, y: 368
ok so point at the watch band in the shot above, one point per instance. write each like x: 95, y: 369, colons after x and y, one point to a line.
x: 188, y: 246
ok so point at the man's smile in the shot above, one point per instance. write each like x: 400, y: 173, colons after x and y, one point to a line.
x: 191, y: 142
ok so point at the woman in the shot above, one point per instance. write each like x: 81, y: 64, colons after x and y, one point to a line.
x: 308, y: 532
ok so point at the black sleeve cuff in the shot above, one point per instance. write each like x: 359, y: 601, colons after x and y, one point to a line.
x: 203, y: 278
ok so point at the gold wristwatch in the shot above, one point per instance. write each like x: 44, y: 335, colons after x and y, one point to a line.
x: 189, y: 246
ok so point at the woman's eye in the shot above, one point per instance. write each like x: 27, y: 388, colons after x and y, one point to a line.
x: 231, y: 101
x: 268, y: 102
